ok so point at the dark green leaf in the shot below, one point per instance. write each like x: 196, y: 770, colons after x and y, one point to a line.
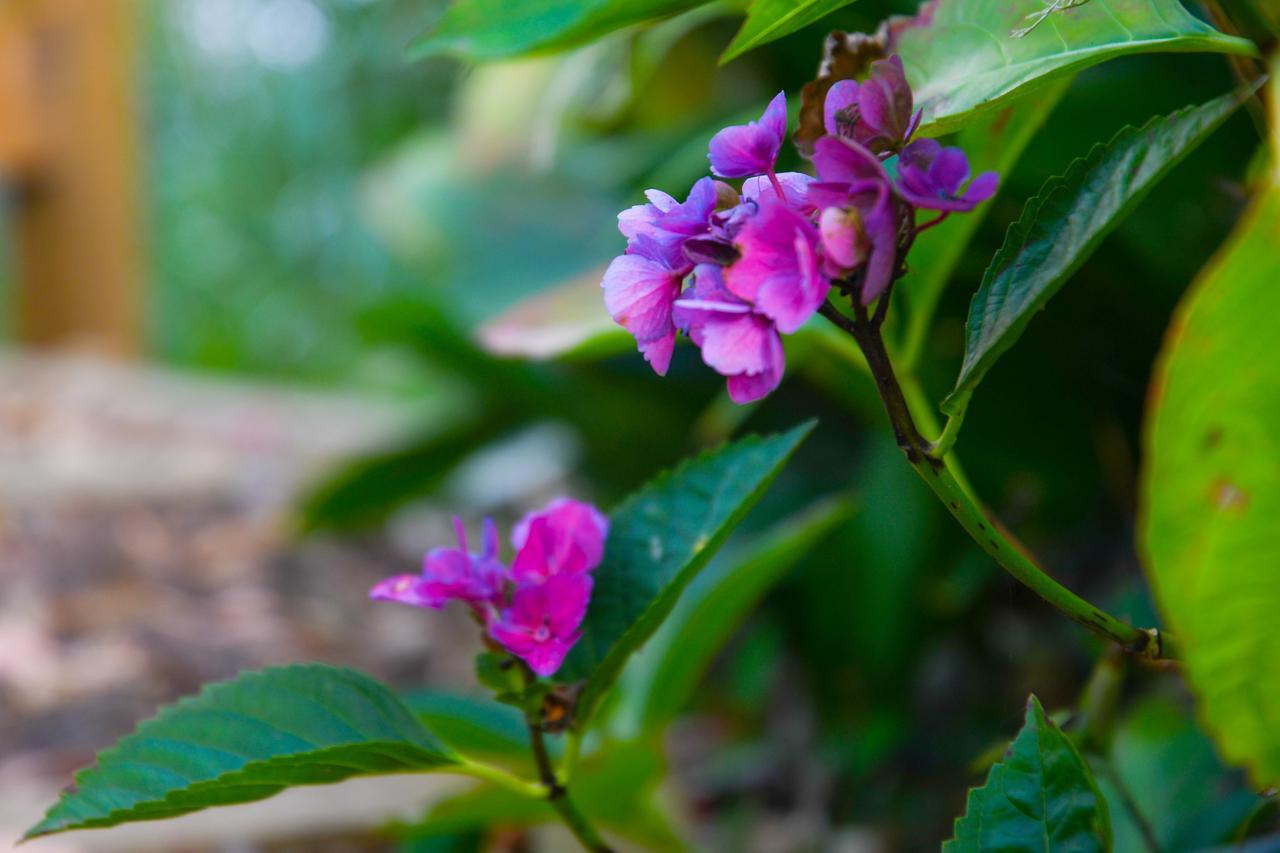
x: 497, y: 29
x: 668, y: 669
x: 246, y: 739
x: 772, y: 19
x: 1041, y: 796
x: 658, y: 541
x: 1211, y: 489
x: 966, y: 58
x: 1065, y: 222
x: 1163, y: 768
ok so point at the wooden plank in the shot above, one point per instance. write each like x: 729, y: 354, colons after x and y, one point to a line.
x: 78, y: 229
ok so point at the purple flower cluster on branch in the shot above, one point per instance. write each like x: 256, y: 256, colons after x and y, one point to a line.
x: 534, y: 609
x: 735, y: 269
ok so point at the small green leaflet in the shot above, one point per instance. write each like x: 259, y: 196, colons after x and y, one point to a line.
x: 247, y: 739
x: 659, y: 539
x: 482, y: 30
x: 1040, y: 797
x: 768, y: 20
x: 1062, y: 225
x: 966, y: 58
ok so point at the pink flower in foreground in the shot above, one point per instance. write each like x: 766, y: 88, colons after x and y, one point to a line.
x: 565, y: 538
x: 450, y: 573
x: 543, y: 620
x: 535, y: 609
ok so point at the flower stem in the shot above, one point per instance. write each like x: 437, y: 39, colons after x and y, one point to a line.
x: 997, y: 542
x: 558, y: 795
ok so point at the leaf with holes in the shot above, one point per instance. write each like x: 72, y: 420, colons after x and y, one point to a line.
x: 1062, y: 225
x: 247, y: 739
x: 1211, y: 489
x: 1040, y: 796
x: 962, y: 56
x: 659, y: 539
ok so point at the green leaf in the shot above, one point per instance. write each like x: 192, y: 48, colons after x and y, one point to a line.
x: 994, y: 142
x: 768, y: 20
x: 1062, y: 225
x: 368, y: 491
x: 476, y: 728
x: 1211, y: 488
x: 1041, y: 796
x: 658, y: 541
x: 1163, y: 768
x: 965, y: 58
x: 662, y: 677
x: 247, y: 739
x: 614, y: 788
x: 497, y: 29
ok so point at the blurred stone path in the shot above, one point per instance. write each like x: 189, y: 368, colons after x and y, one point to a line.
x: 145, y: 549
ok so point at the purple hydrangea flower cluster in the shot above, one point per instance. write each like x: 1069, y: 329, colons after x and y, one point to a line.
x: 735, y: 269
x: 535, y: 608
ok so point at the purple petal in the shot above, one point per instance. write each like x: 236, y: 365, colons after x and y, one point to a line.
x: 949, y: 170
x: 638, y: 293
x: 795, y: 186
x: 406, y: 589
x: 747, y: 388
x: 885, y: 104
x: 839, y: 160
x: 750, y: 149
x: 777, y: 269
x: 982, y: 188
x: 738, y: 343
x: 842, y: 97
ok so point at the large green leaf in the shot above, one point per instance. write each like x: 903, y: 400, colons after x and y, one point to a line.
x: 1211, y: 489
x: 497, y: 29
x: 965, y: 56
x: 658, y: 541
x: 772, y: 19
x: 246, y: 739
x: 662, y: 677
x: 1041, y: 796
x: 1062, y: 225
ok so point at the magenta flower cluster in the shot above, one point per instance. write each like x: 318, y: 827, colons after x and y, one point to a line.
x: 534, y: 608
x: 735, y: 269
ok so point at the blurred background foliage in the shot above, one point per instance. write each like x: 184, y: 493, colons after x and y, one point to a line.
x: 325, y: 211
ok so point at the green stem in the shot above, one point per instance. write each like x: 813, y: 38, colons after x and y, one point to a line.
x: 998, y: 543
x: 553, y: 788
x: 501, y: 778
x: 569, y: 761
